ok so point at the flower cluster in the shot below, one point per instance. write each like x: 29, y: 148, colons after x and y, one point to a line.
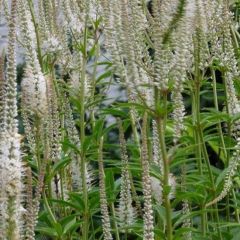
x: 34, y: 99
x: 103, y: 198
x: 10, y: 154
x: 126, y: 210
x: 34, y: 85
x: 51, y: 45
x: 147, y: 188
x: 231, y: 172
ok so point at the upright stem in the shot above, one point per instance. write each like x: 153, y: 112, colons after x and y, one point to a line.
x: 161, y: 122
x: 45, y: 200
x: 30, y: 4
x: 114, y: 221
x: 236, y: 206
x: 165, y: 179
x: 220, y: 132
x: 216, y: 107
x: 94, y: 77
x: 196, y: 122
x: 82, y: 139
x: 137, y: 142
x: 199, y: 134
x: 228, y: 147
x: 134, y: 129
x: 106, y: 224
x: 206, y: 157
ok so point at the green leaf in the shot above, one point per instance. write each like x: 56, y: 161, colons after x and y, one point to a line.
x: 70, y: 225
x: 51, y: 232
x: 57, y: 167
x: 58, y: 228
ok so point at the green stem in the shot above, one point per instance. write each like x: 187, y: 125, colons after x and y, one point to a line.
x: 37, y: 34
x: 48, y: 208
x: 201, y: 143
x: 228, y: 122
x: 94, y: 78
x: 137, y: 142
x: 92, y: 223
x: 216, y: 107
x: 199, y: 130
x: 196, y: 108
x: 220, y: 133
x: 228, y: 152
x: 114, y: 221
x: 214, y: 195
x: 161, y: 122
x: 38, y: 141
x: 207, y: 162
x: 82, y: 139
x: 236, y: 206
x: 165, y: 179
x: 83, y: 161
x: 134, y: 129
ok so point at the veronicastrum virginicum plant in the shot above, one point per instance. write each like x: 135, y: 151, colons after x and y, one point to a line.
x: 129, y: 119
